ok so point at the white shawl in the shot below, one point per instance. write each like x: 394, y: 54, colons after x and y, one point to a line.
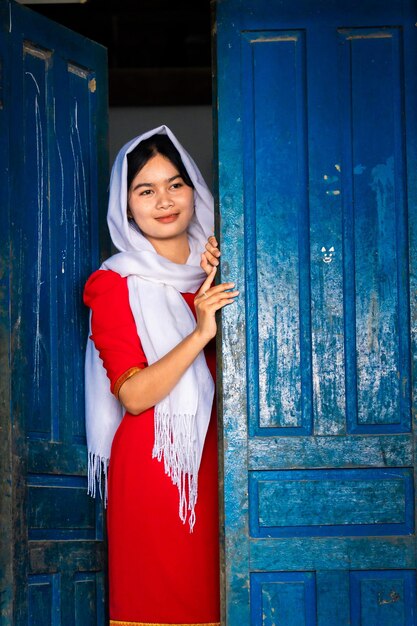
x: 155, y: 285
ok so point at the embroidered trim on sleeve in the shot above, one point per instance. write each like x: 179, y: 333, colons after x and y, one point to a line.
x: 123, y: 378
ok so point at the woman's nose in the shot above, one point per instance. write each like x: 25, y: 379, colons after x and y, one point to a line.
x: 164, y: 201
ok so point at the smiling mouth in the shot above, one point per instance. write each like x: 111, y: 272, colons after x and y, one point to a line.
x: 167, y: 219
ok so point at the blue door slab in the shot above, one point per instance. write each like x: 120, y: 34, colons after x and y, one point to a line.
x: 53, y: 127
x: 317, y: 194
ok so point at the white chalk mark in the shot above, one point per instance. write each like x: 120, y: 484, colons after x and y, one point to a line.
x: 35, y: 81
x: 79, y: 222
x: 81, y: 157
x: 10, y: 18
x: 75, y: 207
x: 337, y: 166
x: 40, y: 196
x: 62, y: 180
x: 64, y: 256
x: 61, y: 165
x: 75, y: 173
x: 335, y: 192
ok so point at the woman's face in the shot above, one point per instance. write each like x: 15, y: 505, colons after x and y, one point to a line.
x: 159, y: 201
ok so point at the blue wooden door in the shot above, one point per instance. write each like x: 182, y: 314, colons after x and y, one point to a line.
x: 317, y: 152
x: 53, y: 162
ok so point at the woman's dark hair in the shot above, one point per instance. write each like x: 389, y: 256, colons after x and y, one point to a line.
x: 145, y: 150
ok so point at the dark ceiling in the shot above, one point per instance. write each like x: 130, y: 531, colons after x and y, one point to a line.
x: 159, y: 51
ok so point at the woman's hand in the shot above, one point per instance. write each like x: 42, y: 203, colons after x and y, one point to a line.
x: 210, y: 257
x: 209, y: 300
x: 149, y: 386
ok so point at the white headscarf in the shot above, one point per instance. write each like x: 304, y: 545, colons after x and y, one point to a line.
x: 155, y: 285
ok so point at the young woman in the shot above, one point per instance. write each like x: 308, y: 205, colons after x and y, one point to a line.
x: 152, y: 327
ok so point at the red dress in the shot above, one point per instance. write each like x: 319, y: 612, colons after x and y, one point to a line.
x: 159, y: 572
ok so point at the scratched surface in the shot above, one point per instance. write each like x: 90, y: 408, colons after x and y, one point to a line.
x: 276, y: 223
x: 387, y: 598
x: 275, y: 598
x: 377, y: 319
x: 55, y: 112
x: 317, y: 144
x: 319, y: 503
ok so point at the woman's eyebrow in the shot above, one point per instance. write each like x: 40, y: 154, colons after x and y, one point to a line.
x: 168, y: 180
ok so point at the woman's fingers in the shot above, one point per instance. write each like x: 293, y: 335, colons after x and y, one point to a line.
x: 222, y: 303
x: 211, y: 259
x: 208, y: 293
x: 205, y: 265
x: 212, y: 246
x: 223, y: 300
x: 213, y: 240
x: 207, y: 283
x: 209, y: 300
x: 210, y: 256
x: 216, y: 294
x: 212, y: 252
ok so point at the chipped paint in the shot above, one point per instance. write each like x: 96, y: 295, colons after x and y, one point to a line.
x: 376, y: 325
x: 278, y: 344
x: 36, y: 51
x: 92, y: 85
x: 266, y: 39
x: 77, y: 70
x: 366, y: 35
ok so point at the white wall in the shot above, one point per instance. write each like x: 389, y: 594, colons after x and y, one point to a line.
x: 192, y: 125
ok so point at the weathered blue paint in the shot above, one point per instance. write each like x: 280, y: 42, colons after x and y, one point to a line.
x: 318, y: 503
x: 331, y: 553
x: 276, y: 598
x: 56, y: 508
x: 383, y: 598
x: 347, y: 451
x: 44, y: 605
x: 53, y: 123
x: 332, y: 612
x: 375, y: 232
x: 276, y: 231
x: 317, y: 187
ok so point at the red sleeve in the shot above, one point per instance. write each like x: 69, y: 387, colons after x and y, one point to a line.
x: 113, y: 326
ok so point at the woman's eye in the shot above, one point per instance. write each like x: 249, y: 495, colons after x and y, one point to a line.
x: 177, y: 185
x: 146, y: 192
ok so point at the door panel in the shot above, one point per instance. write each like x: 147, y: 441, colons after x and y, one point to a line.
x: 316, y: 146
x: 54, y: 110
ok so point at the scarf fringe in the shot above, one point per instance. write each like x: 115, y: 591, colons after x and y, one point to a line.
x: 175, y: 441
x: 97, y: 475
